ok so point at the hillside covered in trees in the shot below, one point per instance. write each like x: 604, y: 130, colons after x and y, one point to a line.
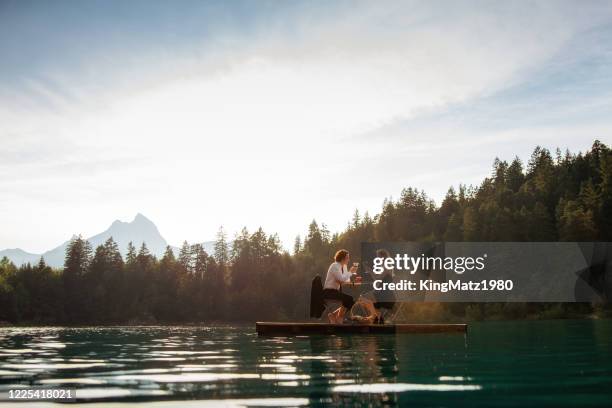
x: 554, y: 197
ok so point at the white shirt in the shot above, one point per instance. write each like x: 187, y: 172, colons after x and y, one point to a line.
x: 336, y: 274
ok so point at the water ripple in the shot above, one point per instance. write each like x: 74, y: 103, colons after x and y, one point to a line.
x: 185, y: 366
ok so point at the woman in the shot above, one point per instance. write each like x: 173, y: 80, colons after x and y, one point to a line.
x: 369, y: 304
x: 337, y: 274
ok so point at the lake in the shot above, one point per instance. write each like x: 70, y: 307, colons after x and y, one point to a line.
x: 537, y: 363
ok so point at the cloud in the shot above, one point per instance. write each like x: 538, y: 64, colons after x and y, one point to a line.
x: 272, y: 115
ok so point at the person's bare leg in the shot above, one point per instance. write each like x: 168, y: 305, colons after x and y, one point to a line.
x: 369, y: 305
x: 341, y: 312
x: 331, y: 317
x: 371, y: 308
x: 334, y: 316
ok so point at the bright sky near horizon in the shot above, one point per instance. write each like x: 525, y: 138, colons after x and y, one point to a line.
x: 264, y: 113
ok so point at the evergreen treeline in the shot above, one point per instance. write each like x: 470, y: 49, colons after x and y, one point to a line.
x: 565, y: 197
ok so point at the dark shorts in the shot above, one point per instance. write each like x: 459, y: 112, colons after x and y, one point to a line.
x: 384, y: 305
x: 333, y: 294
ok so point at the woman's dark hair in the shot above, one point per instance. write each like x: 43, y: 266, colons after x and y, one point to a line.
x: 382, y: 253
x: 340, y: 255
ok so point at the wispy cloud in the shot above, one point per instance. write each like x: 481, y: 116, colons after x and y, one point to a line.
x: 204, y: 110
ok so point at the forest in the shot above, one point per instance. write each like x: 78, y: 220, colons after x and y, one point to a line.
x: 553, y: 197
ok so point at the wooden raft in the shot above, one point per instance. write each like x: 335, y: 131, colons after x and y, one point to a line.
x: 276, y: 328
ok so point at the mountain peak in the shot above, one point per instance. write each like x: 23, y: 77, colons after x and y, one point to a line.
x: 139, y: 230
x: 141, y: 218
x: 116, y: 223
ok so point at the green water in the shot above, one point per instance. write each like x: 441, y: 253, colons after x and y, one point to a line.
x: 534, y: 363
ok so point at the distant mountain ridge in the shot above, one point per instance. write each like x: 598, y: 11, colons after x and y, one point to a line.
x: 139, y: 230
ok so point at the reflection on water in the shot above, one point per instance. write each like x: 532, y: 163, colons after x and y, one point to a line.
x: 497, y: 364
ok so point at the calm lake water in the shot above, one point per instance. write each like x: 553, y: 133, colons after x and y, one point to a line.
x: 543, y: 363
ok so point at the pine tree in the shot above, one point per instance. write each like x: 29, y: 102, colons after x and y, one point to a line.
x: 575, y: 223
x: 297, y: 245
x: 185, y: 258
x: 165, y: 302
x: 514, y: 175
x: 200, y: 260
x: 130, y: 258
x: 221, y: 248
x: 114, y: 301
x: 454, y: 232
x: 470, y: 225
x: 356, y: 221
x: 76, y: 264
x: 41, y: 263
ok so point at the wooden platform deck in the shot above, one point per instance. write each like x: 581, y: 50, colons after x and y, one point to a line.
x: 275, y: 328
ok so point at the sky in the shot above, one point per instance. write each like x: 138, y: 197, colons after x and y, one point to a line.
x: 274, y: 113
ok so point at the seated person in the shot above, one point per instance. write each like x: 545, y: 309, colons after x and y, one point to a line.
x: 372, y: 303
x: 337, y: 274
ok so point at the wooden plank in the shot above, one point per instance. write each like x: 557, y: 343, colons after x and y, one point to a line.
x: 280, y: 328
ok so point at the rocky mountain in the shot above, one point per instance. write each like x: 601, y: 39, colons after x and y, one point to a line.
x: 139, y: 230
